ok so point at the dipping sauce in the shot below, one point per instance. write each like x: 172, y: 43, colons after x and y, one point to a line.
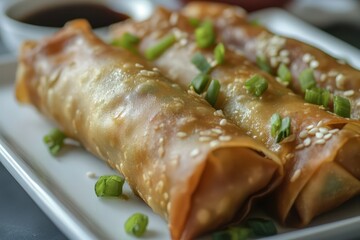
x: 98, y: 15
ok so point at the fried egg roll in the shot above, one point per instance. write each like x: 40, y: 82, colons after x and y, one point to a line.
x: 320, y: 157
x: 182, y: 157
x: 259, y: 44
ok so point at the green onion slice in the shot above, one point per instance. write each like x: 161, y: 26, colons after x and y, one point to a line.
x: 127, y: 41
x: 262, y: 63
x: 256, y: 85
x: 307, y: 79
x: 233, y: 233
x: 342, y: 106
x: 284, y: 74
x: 275, y: 122
x: 284, y: 131
x: 317, y: 96
x: 219, y: 53
x: 261, y: 227
x: 205, y: 35
x: 136, y: 224
x: 200, y: 62
x: 55, y: 141
x: 213, y: 92
x: 194, y: 22
x: 200, y: 82
x: 109, y: 186
x: 160, y: 47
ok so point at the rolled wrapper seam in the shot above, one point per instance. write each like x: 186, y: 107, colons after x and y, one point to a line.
x: 169, y: 145
x: 317, y: 136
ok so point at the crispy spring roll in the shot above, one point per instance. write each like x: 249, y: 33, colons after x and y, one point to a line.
x: 257, y: 42
x: 183, y: 158
x: 320, y: 157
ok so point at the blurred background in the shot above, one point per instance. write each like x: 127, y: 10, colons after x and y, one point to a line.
x: 20, y: 218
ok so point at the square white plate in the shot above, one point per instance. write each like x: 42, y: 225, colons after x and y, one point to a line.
x: 63, y: 191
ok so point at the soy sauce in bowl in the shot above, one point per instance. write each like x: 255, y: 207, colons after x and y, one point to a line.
x: 98, y: 15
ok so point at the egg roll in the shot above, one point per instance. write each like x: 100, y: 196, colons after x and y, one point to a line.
x: 189, y: 163
x: 320, y: 158
x: 257, y: 42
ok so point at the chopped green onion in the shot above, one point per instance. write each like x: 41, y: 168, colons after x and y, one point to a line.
x: 261, y: 227
x: 200, y: 82
x: 233, y: 233
x: 109, y: 186
x: 317, y: 96
x: 342, y: 106
x: 284, y: 131
x: 160, y: 47
x: 307, y: 79
x: 194, y: 22
x: 55, y: 141
x: 127, y: 41
x: 200, y: 62
x: 136, y: 224
x: 263, y: 64
x: 256, y: 85
x: 284, y: 74
x: 205, y: 35
x: 219, y: 53
x: 275, y: 122
x: 255, y: 22
x: 213, y: 92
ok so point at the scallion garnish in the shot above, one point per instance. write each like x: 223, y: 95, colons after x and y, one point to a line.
x: 200, y: 82
x: 205, y: 35
x: 256, y: 85
x: 255, y: 22
x: 200, y: 62
x: 261, y: 227
x: 160, y: 47
x: 233, y: 233
x: 109, y: 186
x: 275, y: 122
x: 262, y: 63
x: 284, y: 74
x: 136, y: 224
x: 284, y: 131
x: 213, y: 92
x: 194, y: 22
x: 342, y: 106
x: 317, y: 96
x: 307, y: 79
x: 55, y: 141
x: 127, y: 41
x: 219, y: 53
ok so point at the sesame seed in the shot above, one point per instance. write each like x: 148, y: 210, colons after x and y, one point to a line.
x: 214, y: 143
x: 168, y: 206
x: 303, y: 134
x: 319, y: 135
x: 289, y: 156
x: 307, y: 57
x: 174, y: 18
x: 284, y: 53
x: 319, y: 123
x: 323, y: 130
x: 335, y: 130
x: 309, y: 127
x: 340, y: 81
x: 320, y: 141
x: 91, y: 174
x: 223, y: 122
x: 322, y: 77
x: 126, y: 65
x: 166, y: 196
x: 219, y: 113
x: 295, y: 175
x: 328, y: 136
x: 217, y: 131
x: 205, y: 139
x: 203, y: 216
x: 300, y: 146
x: 333, y: 73
x: 147, y: 73
x: 349, y: 93
x: 313, y: 131
x: 194, y: 152
x: 273, y: 61
x: 183, y: 42
x: 307, y: 142
x: 181, y: 134
x: 138, y: 65
x: 314, y: 64
x: 225, y: 138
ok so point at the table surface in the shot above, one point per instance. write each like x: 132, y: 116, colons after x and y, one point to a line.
x: 21, y: 218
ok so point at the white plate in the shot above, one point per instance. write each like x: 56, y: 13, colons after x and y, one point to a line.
x: 63, y: 191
